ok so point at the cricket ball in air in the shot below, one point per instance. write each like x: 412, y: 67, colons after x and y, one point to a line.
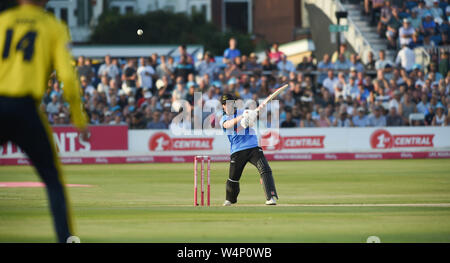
x: 140, y: 32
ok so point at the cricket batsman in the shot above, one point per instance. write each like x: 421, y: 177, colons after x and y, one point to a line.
x: 244, y: 148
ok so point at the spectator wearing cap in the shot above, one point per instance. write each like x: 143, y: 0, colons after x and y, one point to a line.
x: 107, y: 117
x: 360, y: 119
x: 406, y: 58
x: 231, y: 52
x: 440, y: 119
x: 377, y: 119
x: 428, y: 24
x: 123, y: 99
x: 406, y: 32
x: 145, y: 100
x: 393, y: 119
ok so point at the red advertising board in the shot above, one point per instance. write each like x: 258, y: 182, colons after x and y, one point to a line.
x: 67, y: 139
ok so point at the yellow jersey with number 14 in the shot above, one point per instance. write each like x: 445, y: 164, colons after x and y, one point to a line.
x: 33, y: 43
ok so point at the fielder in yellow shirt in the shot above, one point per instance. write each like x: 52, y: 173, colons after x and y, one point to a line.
x: 33, y: 43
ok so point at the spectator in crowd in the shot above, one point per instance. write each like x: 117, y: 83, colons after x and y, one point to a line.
x: 54, y: 106
x: 145, y: 74
x: 129, y: 77
x: 285, y: 66
x: 440, y: 119
x: 407, y: 106
x: 393, y: 119
x: 166, y: 66
x: 406, y: 32
x: 342, y: 64
x: 342, y: 120
x: 324, y: 66
x: 84, y: 68
x: 288, y: 122
x: 370, y: 64
x: 86, y: 86
x: 377, y: 119
x: 393, y: 26
x: 323, y: 121
x: 382, y: 62
x: 108, y: 68
x: 385, y: 16
x: 416, y: 21
x: 183, y: 68
x: 330, y: 82
x: 342, y: 51
x: 231, y: 52
x: 156, y: 122
x: 428, y: 24
x: 308, y: 121
x: 360, y: 119
x: 207, y: 66
x: 275, y: 55
x: 406, y: 58
x: 355, y: 63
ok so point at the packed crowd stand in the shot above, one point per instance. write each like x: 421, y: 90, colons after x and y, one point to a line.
x: 337, y: 90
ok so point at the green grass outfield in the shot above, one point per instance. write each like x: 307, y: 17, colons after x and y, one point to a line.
x: 396, y: 200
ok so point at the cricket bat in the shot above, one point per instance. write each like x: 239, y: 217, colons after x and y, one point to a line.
x: 271, y: 97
